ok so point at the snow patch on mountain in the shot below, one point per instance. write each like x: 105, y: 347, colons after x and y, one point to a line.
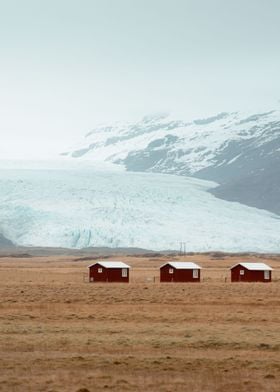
x: 165, y: 145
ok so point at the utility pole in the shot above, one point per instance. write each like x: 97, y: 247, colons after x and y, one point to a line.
x: 182, y: 248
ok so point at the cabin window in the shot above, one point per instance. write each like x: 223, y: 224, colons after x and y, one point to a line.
x: 124, y: 273
x: 266, y: 275
x: 171, y: 271
x: 100, y: 270
x: 242, y: 272
x: 195, y: 273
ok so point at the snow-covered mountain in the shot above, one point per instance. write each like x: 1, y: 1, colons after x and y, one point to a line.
x: 93, y: 207
x: 240, y: 151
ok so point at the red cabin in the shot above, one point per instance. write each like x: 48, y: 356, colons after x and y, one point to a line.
x: 251, y: 272
x: 109, y: 271
x: 177, y: 271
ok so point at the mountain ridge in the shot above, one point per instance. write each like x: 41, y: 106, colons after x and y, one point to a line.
x: 239, y: 151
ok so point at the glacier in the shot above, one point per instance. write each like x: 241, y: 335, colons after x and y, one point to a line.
x: 80, y: 207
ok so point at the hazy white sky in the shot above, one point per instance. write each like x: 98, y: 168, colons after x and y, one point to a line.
x: 69, y: 64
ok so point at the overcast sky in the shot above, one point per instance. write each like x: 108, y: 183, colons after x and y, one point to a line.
x: 67, y: 65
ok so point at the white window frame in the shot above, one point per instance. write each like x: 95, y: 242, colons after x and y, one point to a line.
x: 171, y: 270
x: 100, y: 270
x: 242, y: 272
x: 195, y: 274
x: 266, y: 275
x: 124, y: 272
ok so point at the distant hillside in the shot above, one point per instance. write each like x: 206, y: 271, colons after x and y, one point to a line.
x: 5, y: 243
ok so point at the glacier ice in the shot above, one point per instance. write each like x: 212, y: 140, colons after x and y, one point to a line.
x: 82, y: 207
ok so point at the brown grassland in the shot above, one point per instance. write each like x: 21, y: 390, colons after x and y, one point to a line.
x: 59, y: 333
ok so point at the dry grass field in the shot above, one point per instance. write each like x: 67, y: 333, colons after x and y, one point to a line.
x: 59, y: 333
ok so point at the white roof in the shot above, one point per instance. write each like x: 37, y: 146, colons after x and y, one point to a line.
x: 182, y: 265
x: 254, y: 266
x: 110, y: 264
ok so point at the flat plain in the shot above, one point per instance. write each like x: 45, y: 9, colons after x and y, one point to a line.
x: 60, y: 333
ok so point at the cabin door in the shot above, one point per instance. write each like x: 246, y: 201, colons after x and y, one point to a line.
x: 241, y: 275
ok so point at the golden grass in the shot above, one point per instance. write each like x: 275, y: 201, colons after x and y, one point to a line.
x: 58, y: 333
